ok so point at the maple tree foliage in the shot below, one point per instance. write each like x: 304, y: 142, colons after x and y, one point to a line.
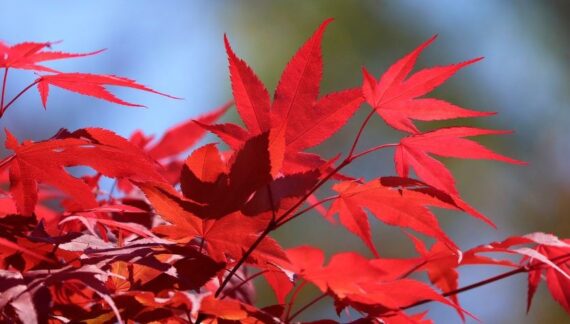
x: 182, y: 238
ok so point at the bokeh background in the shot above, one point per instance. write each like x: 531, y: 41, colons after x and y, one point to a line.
x: 176, y: 47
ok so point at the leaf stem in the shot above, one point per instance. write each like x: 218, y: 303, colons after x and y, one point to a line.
x: 309, y: 304
x: 112, y: 190
x: 6, y: 160
x: 3, y: 91
x: 270, y: 227
x: 18, y: 96
x: 246, y: 280
x: 373, y: 149
x: 521, y: 269
x: 360, y: 130
x: 293, y: 298
x: 307, y: 209
x: 281, y: 220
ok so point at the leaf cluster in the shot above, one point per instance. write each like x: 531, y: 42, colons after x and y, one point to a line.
x: 182, y: 238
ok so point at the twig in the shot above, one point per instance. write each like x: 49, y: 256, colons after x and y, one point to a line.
x: 309, y: 304
x: 244, y: 281
x: 521, y: 269
x: 293, y: 298
x: 18, y: 96
x: 270, y: 227
x: 3, y: 91
x: 360, y: 130
x: 307, y: 209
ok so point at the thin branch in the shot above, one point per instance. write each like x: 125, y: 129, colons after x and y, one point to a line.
x: 309, y: 304
x: 521, y: 269
x: 244, y: 281
x: 270, y: 227
x: 112, y: 190
x: 413, y: 269
x: 3, y: 111
x: 6, y: 160
x: 271, y: 203
x: 373, y: 149
x: 307, y: 209
x: 360, y: 130
x: 3, y: 91
x: 293, y: 298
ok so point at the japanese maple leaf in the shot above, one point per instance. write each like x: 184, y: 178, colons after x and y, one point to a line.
x: 280, y: 281
x: 415, y: 151
x: 297, y: 115
x: 395, y: 95
x: 361, y: 284
x: 542, y: 253
x: 27, y: 55
x: 323, y: 119
x: 221, y: 187
x: 90, y: 85
x: 8, y: 248
x: 215, y: 186
x: 45, y: 162
x: 298, y: 87
x: 225, y: 237
x: 396, y: 202
x: 141, y: 274
x: 297, y: 90
x: 175, y: 141
x: 558, y: 284
x: 250, y: 95
x: 441, y: 263
x: 30, y: 305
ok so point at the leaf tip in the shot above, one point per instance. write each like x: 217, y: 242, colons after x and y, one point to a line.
x: 228, y: 47
x: 11, y: 141
x: 475, y: 60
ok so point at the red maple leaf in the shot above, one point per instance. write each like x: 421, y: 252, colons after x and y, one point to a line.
x: 45, y: 162
x: 297, y: 115
x: 395, y: 95
x: 362, y: 284
x: 414, y: 151
x: 90, y: 85
x: 397, y: 202
x: 222, y: 238
x: 27, y: 55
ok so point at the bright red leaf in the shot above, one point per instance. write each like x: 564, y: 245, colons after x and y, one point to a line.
x: 27, y: 55
x: 414, y: 152
x: 396, y: 206
x: 45, y: 162
x: 394, y: 96
x: 250, y: 95
x: 361, y: 283
x: 90, y: 85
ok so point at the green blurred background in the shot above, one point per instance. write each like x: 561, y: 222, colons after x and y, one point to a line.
x: 176, y: 47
